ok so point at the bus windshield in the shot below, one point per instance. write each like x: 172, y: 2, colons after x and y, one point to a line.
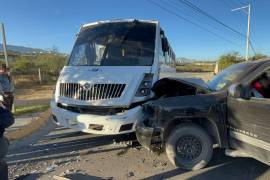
x: 115, y: 44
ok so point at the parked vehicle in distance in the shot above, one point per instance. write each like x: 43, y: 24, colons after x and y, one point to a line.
x: 109, y: 75
x: 231, y: 110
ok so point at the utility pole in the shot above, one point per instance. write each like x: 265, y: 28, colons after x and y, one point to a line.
x: 39, y: 76
x: 248, y: 28
x: 4, y: 43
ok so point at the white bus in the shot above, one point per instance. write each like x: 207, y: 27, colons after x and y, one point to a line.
x: 109, y: 75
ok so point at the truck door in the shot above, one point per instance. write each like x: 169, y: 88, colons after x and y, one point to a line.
x: 249, y: 121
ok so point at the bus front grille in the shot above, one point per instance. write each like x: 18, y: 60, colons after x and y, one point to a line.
x: 89, y: 92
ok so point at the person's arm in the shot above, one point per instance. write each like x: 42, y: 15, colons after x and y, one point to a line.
x: 6, y: 117
x: 2, y: 127
x: 1, y: 90
x: 256, y: 94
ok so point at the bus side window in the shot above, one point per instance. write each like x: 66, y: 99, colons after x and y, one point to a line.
x: 162, y: 58
x: 162, y: 55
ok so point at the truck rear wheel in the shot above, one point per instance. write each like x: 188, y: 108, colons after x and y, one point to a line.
x: 189, y: 147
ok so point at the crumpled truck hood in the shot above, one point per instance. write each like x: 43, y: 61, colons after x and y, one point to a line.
x: 202, y: 101
x: 196, y: 82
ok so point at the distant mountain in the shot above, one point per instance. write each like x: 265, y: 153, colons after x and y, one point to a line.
x: 22, y: 49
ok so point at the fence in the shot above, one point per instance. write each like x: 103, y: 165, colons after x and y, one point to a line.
x: 33, y: 79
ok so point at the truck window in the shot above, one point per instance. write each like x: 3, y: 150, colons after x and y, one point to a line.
x: 228, y: 76
x: 260, y: 87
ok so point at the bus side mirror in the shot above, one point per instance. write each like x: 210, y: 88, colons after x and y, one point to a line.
x: 165, y: 44
x: 235, y: 91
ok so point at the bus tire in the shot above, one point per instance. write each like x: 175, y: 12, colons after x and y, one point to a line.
x: 189, y: 147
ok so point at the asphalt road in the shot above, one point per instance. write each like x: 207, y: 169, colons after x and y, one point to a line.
x: 63, y: 152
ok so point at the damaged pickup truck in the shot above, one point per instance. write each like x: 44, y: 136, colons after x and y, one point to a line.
x: 189, y: 117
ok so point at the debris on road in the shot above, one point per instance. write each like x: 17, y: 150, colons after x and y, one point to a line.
x: 51, y: 168
x: 130, y: 174
x: 98, y: 160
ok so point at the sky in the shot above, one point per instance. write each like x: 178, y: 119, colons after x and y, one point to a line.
x: 54, y: 23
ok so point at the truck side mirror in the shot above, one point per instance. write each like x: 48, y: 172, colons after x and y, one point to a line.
x: 235, y: 91
x: 165, y: 44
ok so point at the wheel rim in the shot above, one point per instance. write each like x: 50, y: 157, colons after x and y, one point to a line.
x: 188, y: 147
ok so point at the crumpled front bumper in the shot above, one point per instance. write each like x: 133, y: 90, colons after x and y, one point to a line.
x: 98, y: 124
x: 149, y: 137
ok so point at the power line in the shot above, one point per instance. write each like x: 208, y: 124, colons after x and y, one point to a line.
x: 231, y: 6
x: 213, y: 24
x: 191, y: 22
x: 195, y: 15
x: 196, y: 8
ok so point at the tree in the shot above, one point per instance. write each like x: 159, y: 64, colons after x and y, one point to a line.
x: 229, y: 59
x: 258, y: 57
x: 50, y: 63
x: 23, y: 65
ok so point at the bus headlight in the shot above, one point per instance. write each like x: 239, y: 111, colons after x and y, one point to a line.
x: 145, y: 86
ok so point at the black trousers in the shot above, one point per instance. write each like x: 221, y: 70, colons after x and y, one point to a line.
x: 3, y: 152
x: 3, y: 170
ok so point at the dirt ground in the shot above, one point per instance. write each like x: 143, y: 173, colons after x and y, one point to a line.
x: 27, y: 123
x: 33, y: 94
x: 56, y: 151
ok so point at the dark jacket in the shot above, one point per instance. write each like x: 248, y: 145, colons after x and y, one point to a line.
x: 6, y: 119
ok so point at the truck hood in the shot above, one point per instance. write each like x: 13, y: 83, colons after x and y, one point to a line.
x: 185, y: 102
x: 162, y: 111
x: 196, y: 82
x: 130, y: 76
x: 170, y: 87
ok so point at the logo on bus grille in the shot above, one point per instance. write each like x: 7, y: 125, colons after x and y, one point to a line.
x: 95, y: 69
x: 86, y: 86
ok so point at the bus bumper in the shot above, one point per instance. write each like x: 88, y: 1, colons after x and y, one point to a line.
x: 121, y: 123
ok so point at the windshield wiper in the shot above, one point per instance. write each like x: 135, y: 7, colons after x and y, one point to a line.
x: 135, y: 22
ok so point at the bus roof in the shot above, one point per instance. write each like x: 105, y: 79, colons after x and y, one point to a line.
x: 117, y: 21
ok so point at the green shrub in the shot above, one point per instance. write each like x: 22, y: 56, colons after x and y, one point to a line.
x: 49, y: 64
x: 22, y: 110
x: 229, y: 59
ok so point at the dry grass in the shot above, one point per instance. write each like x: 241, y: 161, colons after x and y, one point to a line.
x: 23, y: 110
x: 32, y: 80
x: 33, y: 95
x: 202, y: 75
x: 29, y: 99
x: 195, y: 68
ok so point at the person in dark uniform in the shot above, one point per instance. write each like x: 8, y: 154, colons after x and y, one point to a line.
x: 6, y: 120
x: 7, y: 86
